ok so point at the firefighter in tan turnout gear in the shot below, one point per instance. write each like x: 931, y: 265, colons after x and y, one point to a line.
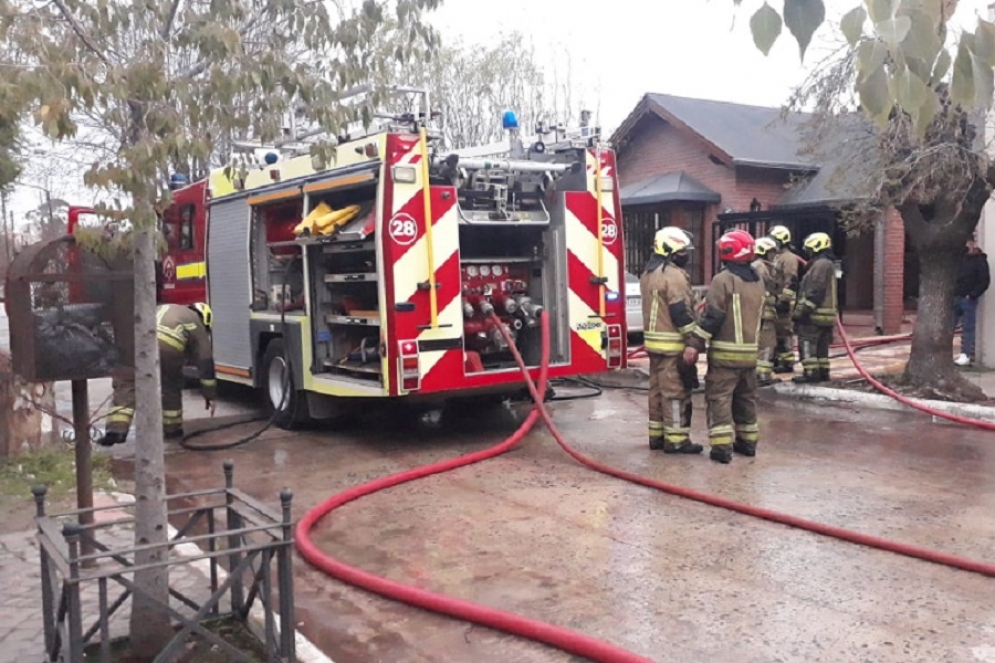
x: 668, y: 321
x: 730, y: 326
x: 183, y: 332
x: 786, y: 266
x: 764, y: 266
x: 815, y: 311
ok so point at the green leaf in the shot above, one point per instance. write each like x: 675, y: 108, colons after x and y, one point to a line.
x: 875, y: 96
x: 803, y: 18
x: 765, y: 25
x: 908, y: 91
x: 922, y: 40
x: 894, y: 30
x: 882, y: 10
x: 941, y: 67
x: 927, y: 111
x: 962, y: 86
x: 984, y: 82
x: 984, y: 42
x: 852, y: 24
x: 870, y: 58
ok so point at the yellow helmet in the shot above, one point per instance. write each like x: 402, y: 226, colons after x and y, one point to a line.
x: 764, y: 245
x: 781, y: 234
x: 205, y: 313
x: 818, y: 242
x: 669, y: 240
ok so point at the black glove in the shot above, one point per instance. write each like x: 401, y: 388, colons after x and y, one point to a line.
x: 689, y: 375
x: 782, y: 308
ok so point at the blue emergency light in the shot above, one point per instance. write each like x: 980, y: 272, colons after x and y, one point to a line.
x: 271, y: 158
x: 611, y: 296
x: 509, y: 120
x: 177, y: 180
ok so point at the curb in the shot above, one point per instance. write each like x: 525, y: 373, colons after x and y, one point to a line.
x: 306, y: 651
x: 879, y: 401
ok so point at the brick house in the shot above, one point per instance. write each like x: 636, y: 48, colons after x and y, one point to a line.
x: 708, y: 166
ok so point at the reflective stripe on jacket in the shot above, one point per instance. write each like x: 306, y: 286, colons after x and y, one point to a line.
x: 180, y: 328
x: 817, y: 298
x: 668, y: 309
x: 733, y: 313
x: 766, y: 272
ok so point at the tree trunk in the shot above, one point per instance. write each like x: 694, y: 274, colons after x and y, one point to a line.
x: 931, y: 363
x: 150, y: 625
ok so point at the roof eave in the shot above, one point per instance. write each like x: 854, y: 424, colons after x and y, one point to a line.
x: 773, y: 165
x: 695, y: 197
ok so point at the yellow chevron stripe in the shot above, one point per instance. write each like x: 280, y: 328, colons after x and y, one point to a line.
x: 584, y: 245
x: 579, y: 313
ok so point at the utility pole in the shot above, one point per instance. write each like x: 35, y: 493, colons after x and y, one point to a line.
x: 6, y: 228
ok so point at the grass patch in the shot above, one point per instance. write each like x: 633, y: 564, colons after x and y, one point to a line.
x: 54, y: 467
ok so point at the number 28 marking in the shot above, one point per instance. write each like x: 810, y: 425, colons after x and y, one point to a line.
x: 403, y: 229
x: 609, y: 230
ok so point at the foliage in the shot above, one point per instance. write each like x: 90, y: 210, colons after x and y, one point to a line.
x: 54, y: 467
x: 901, y: 53
x: 473, y: 85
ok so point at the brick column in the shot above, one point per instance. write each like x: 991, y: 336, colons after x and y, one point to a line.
x: 894, y: 272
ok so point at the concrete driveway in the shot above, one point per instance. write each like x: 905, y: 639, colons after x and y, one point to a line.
x: 535, y: 533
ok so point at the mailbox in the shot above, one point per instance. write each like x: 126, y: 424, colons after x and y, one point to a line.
x: 71, y: 313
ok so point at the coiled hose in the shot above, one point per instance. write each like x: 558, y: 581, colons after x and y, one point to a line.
x: 564, y: 639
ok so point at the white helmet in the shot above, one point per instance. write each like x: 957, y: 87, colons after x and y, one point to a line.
x: 670, y: 240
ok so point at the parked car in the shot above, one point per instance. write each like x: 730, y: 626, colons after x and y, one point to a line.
x: 633, y: 306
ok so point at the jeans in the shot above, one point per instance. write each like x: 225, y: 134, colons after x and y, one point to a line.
x: 966, y: 310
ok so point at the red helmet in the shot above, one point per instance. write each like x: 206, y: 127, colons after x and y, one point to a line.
x: 736, y: 246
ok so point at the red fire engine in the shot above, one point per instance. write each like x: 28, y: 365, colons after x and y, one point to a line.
x: 375, y: 275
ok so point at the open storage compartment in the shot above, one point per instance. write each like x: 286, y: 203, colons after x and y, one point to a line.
x: 346, y: 287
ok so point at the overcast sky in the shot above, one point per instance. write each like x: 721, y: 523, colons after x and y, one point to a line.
x: 621, y: 49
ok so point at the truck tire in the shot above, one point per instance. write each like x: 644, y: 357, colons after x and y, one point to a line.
x: 286, y: 405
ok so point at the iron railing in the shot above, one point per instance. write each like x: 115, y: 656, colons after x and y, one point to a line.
x: 250, y: 538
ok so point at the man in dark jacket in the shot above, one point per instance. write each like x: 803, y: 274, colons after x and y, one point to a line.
x: 972, y: 282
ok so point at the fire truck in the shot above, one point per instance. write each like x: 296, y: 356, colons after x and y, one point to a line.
x: 377, y: 274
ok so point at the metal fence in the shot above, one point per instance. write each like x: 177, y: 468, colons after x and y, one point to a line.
x: 250, y: 538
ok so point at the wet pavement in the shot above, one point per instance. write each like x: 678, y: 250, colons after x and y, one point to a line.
x: 532, y: 532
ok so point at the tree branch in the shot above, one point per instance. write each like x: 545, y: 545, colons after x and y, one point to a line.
x: 168, y: 25
x: 80, y: 32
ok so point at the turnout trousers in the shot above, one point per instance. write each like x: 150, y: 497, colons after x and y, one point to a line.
x: 784, y: 359
x: 813, y: 346
x: 732, y: 409
x: 669, y: 403
x: 122, y: 411
x: 765, y: 355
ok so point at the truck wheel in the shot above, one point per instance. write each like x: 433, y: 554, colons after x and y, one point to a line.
x: 286, y: 404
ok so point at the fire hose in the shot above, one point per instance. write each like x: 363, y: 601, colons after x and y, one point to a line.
x: 561, y: 638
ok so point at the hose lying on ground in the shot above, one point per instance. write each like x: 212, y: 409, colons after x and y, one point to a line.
x: 564, y: 639
x: 877, y: 384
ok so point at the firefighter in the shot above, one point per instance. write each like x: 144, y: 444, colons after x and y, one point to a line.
x: 764, y: 266
x: 815, y: 311
x: 183, y: 332
x: 668, y: 320
x: 786, y: 265
x: 730, y: 326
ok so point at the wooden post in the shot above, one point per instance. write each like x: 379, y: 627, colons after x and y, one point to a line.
x: 84, y: 462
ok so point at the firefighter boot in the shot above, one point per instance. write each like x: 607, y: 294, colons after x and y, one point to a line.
x: 684, y: 448
x: 656, y: 443
x: 721, y: 453
x: 110, y: 438
x: 823, y: 375
x: 745, y: 448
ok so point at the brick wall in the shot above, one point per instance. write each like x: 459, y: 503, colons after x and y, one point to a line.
x: 894, y: 272
x: 657, y: 148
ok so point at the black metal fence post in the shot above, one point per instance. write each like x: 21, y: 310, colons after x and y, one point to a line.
x: 47, y: 599
x: 71, y: 532
x: 285, y: 579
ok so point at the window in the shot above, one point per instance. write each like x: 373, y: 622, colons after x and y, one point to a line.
x: 186, y: 228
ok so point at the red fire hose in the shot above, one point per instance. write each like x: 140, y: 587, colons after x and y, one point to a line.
x: 569, y: 641
x: 977, y: 423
